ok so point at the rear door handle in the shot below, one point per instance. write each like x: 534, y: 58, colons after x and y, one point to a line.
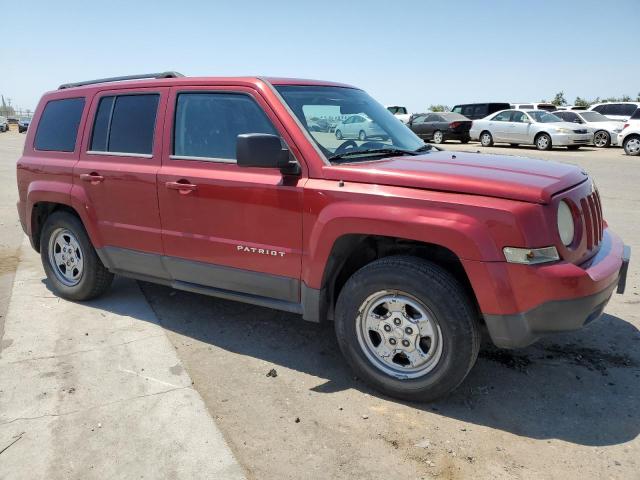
x: 183, y: 186
x: 92, y: 177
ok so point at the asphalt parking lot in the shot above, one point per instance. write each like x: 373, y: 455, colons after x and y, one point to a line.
x: 566, y: 407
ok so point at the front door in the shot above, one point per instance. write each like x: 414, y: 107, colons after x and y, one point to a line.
x: 119, y: 161
x: 225, y: 226
x: 520, y: 127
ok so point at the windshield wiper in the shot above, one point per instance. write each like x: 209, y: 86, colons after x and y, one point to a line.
x: 426, y: 147
x: 374, y: 151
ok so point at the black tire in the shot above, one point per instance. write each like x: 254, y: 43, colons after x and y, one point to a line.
x: 445, y: 299
x: 601, y: 139
x: 631, y: 145
x: 362, y: 136
x: 339, y: 134
x: 486, y: 139
x: 95, y: 278
x: 438, y: 137
x: 573, y: 147
x: 543, y: 141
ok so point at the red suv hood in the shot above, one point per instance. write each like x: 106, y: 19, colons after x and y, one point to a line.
x: 502, y: 176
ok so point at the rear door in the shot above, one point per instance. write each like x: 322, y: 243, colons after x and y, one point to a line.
x: 225, y: 226
x: 499, y: 126
x: 418, y: 126
x: 117, y: 171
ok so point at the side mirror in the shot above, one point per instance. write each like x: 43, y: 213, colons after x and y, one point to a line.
x: 263, y: 150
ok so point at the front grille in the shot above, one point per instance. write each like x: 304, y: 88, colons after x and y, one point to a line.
x: 592, y: 215
x: 580, y: 131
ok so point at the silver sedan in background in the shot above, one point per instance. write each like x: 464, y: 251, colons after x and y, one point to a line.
x: 530, y: 127
x: 605, y: 130
x: 359, y: 127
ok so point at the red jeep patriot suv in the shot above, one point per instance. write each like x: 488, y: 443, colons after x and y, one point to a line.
x: 242, y: 188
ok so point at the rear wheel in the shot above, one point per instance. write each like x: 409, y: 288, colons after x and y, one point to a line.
x: 339, y: 135
x: 543, y: 142
x: 631, y: 145
x: 602, y: 139
x: 438, y: 137
x: 407, y: 327
x: 486, y: 140
x: 70, y: 261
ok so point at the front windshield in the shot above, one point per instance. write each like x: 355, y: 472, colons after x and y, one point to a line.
x: 593, y: 117
x: 544, y: 117
x: 346, y: 121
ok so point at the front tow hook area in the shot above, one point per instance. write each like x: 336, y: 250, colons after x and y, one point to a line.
x: 622, y: 279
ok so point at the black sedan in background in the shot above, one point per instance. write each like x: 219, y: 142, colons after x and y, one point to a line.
x: 23, y: 124
x: 440, y: 127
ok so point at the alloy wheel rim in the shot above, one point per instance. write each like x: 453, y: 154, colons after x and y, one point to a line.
x: 66, y: 257
x: 543, y: 141
x: 437, y: 137
x: 600, y: 139
x: 633, y: 145
x: 486, y: 139
x: 398, y: 334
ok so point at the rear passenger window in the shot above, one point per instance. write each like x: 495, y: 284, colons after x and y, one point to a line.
x: 208, y: 124
x: 125, y: 124
x: 58, y: 125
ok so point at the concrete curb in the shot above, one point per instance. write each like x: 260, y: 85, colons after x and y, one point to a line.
x: 96, y: 390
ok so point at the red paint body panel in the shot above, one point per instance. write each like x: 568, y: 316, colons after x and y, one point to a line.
x: 474, y: 205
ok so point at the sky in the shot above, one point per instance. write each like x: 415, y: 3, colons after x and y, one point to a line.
x: 402, y: 52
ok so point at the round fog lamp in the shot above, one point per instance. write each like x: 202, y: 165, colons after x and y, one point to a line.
x: 566, y: 228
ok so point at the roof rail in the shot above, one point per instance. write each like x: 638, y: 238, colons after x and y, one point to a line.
x: 120, y: 79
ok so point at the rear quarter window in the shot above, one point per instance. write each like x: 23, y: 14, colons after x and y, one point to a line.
x: 125, y: 124
x: 58, y: 125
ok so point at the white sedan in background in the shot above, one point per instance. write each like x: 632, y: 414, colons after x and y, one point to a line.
x: 629, y: 137
x: 605, y: 130
x: 530, y: 127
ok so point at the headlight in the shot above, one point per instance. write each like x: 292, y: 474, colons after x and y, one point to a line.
x: 566, y: 227
x: 563, y: 130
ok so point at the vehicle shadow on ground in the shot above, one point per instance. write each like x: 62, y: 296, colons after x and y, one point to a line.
x: 583, y: 388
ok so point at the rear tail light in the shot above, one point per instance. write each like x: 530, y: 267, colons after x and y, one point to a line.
x: 625, y: 126
x: 454, y: 124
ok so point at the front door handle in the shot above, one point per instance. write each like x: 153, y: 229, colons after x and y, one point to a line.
x: 92, y: 177
x: 183, y: 186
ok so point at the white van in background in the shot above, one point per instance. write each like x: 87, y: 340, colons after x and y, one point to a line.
x: 549, y: 107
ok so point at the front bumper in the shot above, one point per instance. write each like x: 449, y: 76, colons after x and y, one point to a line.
x: 566, y: 139
x: 559, y: 297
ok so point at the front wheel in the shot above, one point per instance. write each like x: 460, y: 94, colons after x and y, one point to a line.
x: 407, y: 327
x: 543, y: 142
x: 362, y: 136
x: 73, y: 268
x: 438, y: 137
x: 339, y: 135
x: 601, y: 139
x: 631, y: 145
